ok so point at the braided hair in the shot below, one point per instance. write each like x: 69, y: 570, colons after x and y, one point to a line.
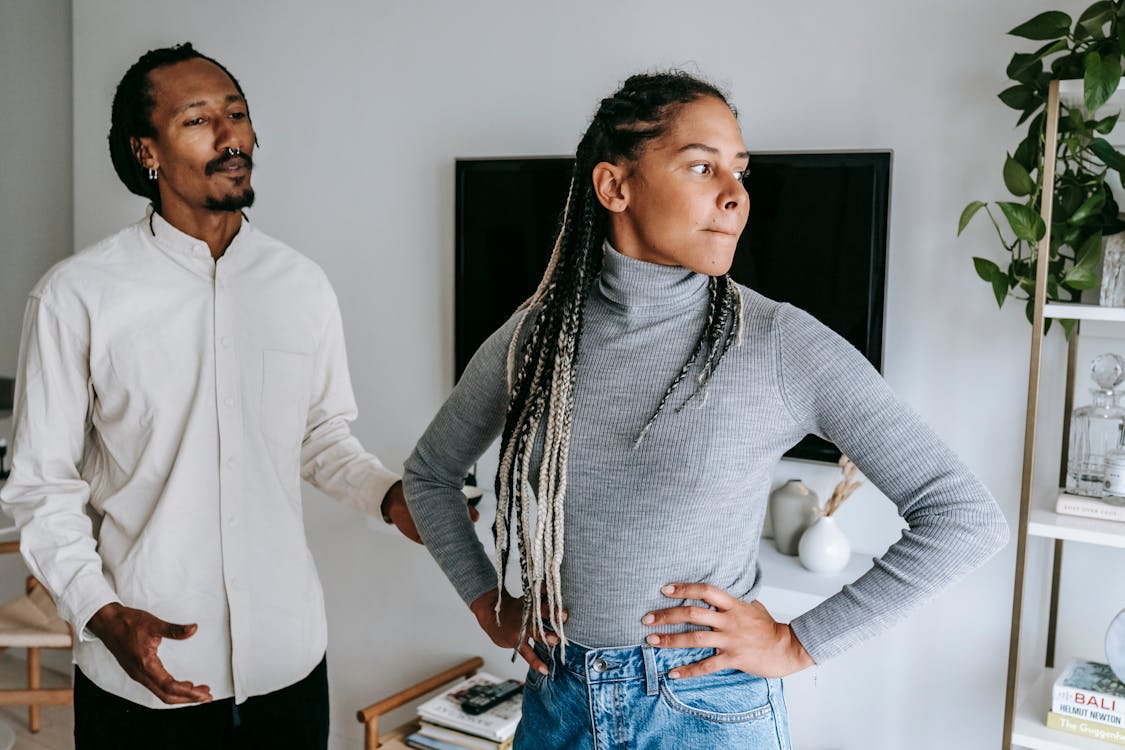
x: 541, y: 372
x: 131, y: 115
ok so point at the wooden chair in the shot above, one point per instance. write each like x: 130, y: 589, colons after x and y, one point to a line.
x: 395, y: 740
x: 32, y: 622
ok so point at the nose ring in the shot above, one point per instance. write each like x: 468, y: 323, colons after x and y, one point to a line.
x: 234, y: 151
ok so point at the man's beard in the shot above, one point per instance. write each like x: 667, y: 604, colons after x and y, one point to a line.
x: 231, y: 202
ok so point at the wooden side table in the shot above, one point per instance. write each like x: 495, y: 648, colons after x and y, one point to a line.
x: 396, y: 739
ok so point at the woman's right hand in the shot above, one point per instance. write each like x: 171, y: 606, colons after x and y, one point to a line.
x: 505, y: 629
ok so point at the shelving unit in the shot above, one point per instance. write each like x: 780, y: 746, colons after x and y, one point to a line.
x: 1027, y: 701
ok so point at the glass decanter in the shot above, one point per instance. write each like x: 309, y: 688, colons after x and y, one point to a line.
x: 1095, y: 429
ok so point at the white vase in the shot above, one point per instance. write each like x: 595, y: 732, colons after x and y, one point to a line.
x: 792, y: 508
x: 823, y: 547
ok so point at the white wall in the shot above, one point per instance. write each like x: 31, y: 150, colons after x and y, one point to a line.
x: 361, y: 109
x: 36, y: 174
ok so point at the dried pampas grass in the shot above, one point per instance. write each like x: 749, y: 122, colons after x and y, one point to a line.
x: 844, y: 488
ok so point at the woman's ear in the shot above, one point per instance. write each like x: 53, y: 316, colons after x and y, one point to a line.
x: 609, y: 186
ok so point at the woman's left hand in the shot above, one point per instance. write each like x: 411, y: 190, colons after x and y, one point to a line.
x: 743, y: 634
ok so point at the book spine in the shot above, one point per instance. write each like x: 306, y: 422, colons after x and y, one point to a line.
x: 1072, y: 505
x: 1086, y: 728
x: 1090, y: 713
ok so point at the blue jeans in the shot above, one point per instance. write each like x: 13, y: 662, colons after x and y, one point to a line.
x: 622, y: 699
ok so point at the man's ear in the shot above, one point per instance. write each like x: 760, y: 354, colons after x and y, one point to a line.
x: 143, y: 153
x: 610, y: 187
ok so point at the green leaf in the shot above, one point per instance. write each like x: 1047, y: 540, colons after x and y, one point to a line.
x: 1051, y: 48
x: 1095, y: 17
x: 1024, y: 68
x: 967, y: 216
x: 1027, y: 153
x: 1029, y: 310
x: 1018, y: 97
x: 1089, y: 207
x: 1050, y: 25
x: 1108, y: 154
x: 1068, y: 327
x: 1000, y: 288
x: 1106, y: 124
x: 1101, y: 79
x: 1025, y: 222
x: 988, y: 270
x: 1084, y: 273
x: 1016, y: 178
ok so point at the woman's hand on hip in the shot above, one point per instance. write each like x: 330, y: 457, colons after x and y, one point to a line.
x: 743, y: 634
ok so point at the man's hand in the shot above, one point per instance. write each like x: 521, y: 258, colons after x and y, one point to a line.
x: 133, y: 636
x: 744, y: 635
x: 395, y: 510
x: 506, y: 632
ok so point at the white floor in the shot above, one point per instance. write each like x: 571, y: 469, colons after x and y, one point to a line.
x: 57, y: 725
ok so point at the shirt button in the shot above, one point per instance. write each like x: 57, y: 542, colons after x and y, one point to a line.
x: 228, y: 401
x: 233, y: 582
x: 599, y: 665
x: 225, y: 341
x: 232, y: 462
x: 232, y: 521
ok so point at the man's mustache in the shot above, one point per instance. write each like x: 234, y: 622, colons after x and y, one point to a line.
x: 215, y: 165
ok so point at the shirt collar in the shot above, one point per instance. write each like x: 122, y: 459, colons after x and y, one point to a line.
x: 172, y: 240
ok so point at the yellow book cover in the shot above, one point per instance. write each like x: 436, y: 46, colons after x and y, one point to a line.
x: 1085, y: 728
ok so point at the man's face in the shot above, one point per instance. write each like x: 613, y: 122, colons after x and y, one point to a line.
x: 204, y: 139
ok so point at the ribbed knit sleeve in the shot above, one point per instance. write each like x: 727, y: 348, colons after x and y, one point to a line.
x: 954, y: 523
x: 469, y: 421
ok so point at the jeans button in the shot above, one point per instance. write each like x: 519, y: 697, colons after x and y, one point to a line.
x: 599, y: 665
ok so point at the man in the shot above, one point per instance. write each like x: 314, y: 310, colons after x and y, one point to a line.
x: 176, y: 381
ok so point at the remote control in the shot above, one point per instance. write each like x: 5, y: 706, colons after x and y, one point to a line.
x: 480, y: 698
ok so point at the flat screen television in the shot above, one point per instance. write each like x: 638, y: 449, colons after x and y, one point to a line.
x: 816, y: 238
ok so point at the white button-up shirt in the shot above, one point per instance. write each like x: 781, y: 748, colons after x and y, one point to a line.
x: 167, y: 407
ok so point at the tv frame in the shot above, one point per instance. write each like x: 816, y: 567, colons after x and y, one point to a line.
x: 811, y: 448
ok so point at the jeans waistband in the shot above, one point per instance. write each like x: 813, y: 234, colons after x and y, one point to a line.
x: 622, y: 663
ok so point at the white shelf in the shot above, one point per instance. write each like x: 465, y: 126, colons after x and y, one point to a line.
x: 1075, y: 311
x: 788, y: 590
x: 1047, y: 523
x: 1029, y: 729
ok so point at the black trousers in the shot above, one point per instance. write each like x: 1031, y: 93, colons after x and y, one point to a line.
x: 293, y: 717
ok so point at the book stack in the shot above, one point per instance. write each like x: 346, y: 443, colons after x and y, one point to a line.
x: 1089, y: 507
x: 445, y: 726
x: 1089, y: 700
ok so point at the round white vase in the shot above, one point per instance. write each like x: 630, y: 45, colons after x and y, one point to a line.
x: 823, y: 547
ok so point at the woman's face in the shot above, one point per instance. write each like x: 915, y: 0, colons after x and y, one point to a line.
x: 682, y: 202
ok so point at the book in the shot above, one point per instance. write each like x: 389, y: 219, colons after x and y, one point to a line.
x: 1089, y: 507
x: 1089, y: 690
x: 423, y: 742
x: 497, y: 724
x: 461, y: 739
x: 1085, y: 728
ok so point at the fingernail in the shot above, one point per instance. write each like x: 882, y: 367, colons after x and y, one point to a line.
x: 542, y: 670
x: 653, y: 639
x: 669, y: 589
x: 648, y: 619
x: 674, y: 675
x: 553, y: 640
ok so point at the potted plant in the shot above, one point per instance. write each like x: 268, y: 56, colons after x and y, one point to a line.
x: 1084, y: 210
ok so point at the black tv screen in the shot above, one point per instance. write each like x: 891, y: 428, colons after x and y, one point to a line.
x: 816, y: 238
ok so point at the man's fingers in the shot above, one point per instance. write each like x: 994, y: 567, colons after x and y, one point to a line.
x: 177, y: 632
x: 169, y: 689
x: 704, y: 592
x: 699, y: 668
x: 474, y: 514
x: 679, y: 615
x: 532, y: 659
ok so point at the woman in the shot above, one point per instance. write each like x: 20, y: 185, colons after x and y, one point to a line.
x: 643, y: 399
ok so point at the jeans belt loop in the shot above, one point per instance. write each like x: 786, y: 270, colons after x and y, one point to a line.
x: 652, y: 677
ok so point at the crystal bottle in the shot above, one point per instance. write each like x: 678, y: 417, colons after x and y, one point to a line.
x: 1096, y: 429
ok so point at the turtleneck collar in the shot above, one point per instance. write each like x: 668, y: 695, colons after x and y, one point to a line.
x: 640, y: 285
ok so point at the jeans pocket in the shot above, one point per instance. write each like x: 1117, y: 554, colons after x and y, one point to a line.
x: 726, y: 697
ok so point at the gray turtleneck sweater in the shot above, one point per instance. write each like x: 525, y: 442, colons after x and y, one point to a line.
x: 688, y: 503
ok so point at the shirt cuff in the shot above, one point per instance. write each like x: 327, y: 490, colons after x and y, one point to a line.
x: 82, y: 599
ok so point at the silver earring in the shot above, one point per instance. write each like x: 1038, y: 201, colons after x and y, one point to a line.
x: 152, y: 173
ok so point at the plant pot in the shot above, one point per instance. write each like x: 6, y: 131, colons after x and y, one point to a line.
x: 824, y: 548
x: 792, y: 510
